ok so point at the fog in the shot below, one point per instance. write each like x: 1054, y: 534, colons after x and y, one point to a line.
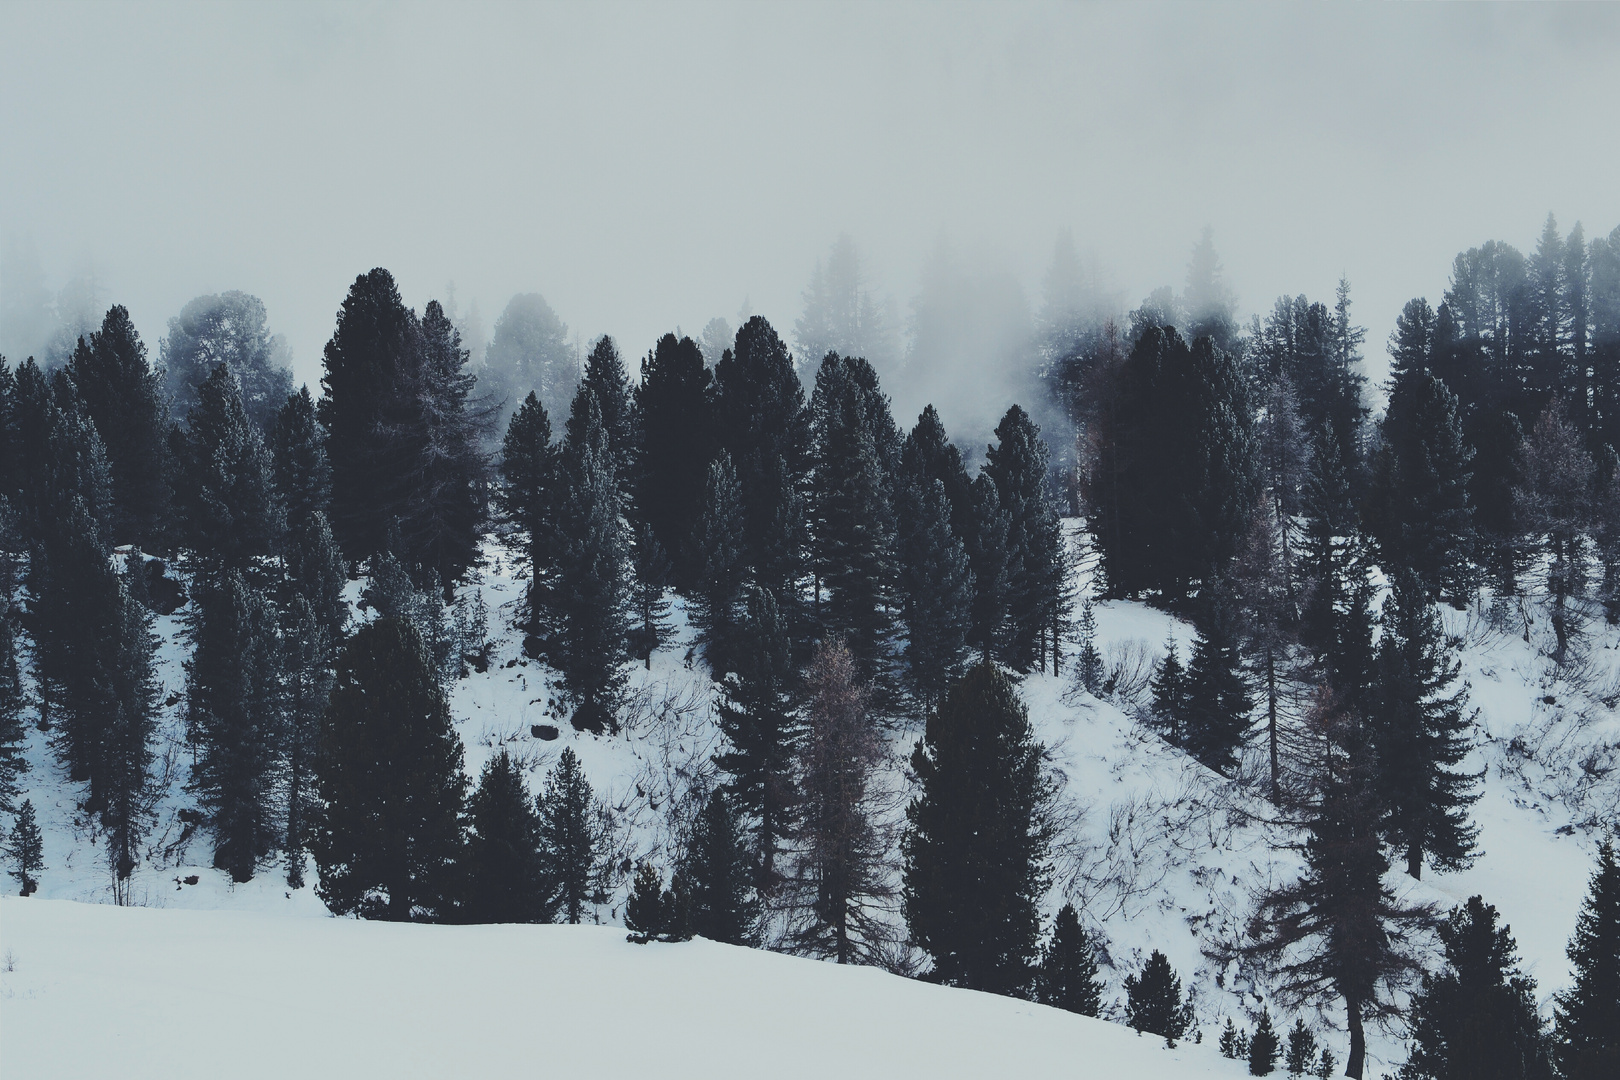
x: 647, y: 167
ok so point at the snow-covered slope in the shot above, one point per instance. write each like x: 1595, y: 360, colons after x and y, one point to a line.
x: 91, y: 990
x: 1156, y: 851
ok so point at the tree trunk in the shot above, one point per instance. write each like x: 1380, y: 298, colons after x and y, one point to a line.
x: 1414, y: 861
x: 1358, y: 1040
x: 1271, y: 724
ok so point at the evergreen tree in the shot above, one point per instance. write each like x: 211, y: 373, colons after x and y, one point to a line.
x: 1263, y: 1047
x: 1334, y: 621
x: 720, y: 545
x: 677, y: 444
x: 317, y: 573
x: 1478, y: 1017
x: 1267, y: 604
x: 647, y: 911
x: 1553, y: 506
x: 121, y: 397
x: 309, y: 654
x: 25, y: 848
x: 1153, y: 1000
x: 1338, y: 929
x: 1017, y: 465
x: 1217, y: 701
x: 228, y: 328
x: 1068, y: 973
x: 1089, y: 662
x: 1421, y: 730
x: 303, y: 475
x: 760, y: 415
x: 609, y: 383
x: 841, y: 888
x: 720, y: 870
x: 990, y: 560
x: 387, y: 842
x: 855, y: 451
x: 927, y: 455
x: 936, y: 588
x: 58, y: 458
x: 1170, y: 703
x: 1421, y: 514
x: 122, y: 783
x: 591, y: 596
x: 648, y: 603
x: 530, y: 354
x: 1588, y: 1013
x: 975, y: 851
x: 12, y: 736
x: 573, y: 839
x: 236, y: 714
x: 529, y: 496
x: 232, y: 516
x: 755, y: 711
x: 1234, y: 1041
x: 1300, y: 1056
x: 505, y: 876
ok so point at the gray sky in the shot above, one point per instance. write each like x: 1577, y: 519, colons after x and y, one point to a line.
x: 645, y: 166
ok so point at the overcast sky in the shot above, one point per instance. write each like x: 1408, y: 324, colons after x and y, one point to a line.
x: 645, y: 166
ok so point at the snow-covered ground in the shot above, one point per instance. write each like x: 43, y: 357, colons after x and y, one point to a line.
x: 1156, y: 851
x: 91, y: 990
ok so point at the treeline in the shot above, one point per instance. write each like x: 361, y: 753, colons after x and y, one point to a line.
x: 842, y: 573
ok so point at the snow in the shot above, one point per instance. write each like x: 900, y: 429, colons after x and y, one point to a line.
x: 93, y: 990
x: 1157, y: 852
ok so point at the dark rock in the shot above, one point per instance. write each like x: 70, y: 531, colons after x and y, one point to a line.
x: 544, y: 732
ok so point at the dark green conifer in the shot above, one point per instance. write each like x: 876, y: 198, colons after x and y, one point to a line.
x: 1234, y: 1041
x: 1017, y: 465
x: 504, y: 875
x: 1068, y: 973
x: 1588, y: 1013
x: 26, y: 849
x: 1088, y: 661
x: 652, y: 571
x: 991, y: 559
x: 720, y: 872
x: 936, y: 589
x: 309, y: 654
x: 232, y: 514
x: 529, y: 497
x: 318, y: 574
x: 719, y: 545
x: 1477, y: 1018
x: 677, y: 444
x: 1300, y: 1057
x: 572, y: 837
x: 1217, y: 701
x: 609, y: 383
x: 976, y: 847
x: 646, y: 914
x: 1169, y: 704
x: 388, y: 840
x: 1263, y: 1047
x: 303, y: 475
x: 1153, y: 1000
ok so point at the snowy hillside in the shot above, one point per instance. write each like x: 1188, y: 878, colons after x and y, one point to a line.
x: 256, y: 996
x: 1156, y: 851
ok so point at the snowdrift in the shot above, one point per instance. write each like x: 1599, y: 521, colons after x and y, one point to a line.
x: 94, y: 990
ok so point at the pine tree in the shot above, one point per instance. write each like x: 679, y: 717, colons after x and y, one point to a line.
x: 529, y: 497
x: 12, y: 736
x: 608, y: 382
x: 1017, y: 465
x: 1088, y: 662
x: 1421, y: 515
x: 1301, y: 1055
x: 975, y: 851
x: 720, y: 871
x: 25, y: 848
x: 1068, y: 973
x: 928, y: 455
x: 855, y: 451
x: 591, y: 596
x: 1421, y: 730
x: 1588, y: 1013
x: 1477, y: 1018
x: 236, y: 713
x: 317, y: 573
x: 530, y: 354
x: 505, y: 876
x: 387, y: 842
x: 1170, y: 703
x: 228, y: 328
x: 936, y: 588
x: 1263, y: 1047
x: 840, y: 885
x: 573, y: 839
x: 1338, y: 930
x: 1153, y: 1000
x: 1217, y: 701
x: 1234, y: 1041
x: 309, y: 654
x: 121, y: 397
x: 719, y: 545
x: 303, y: 475
x: 756, y: 713
x: 651, y: 576
x: 232, y: 515
x: 990, y: 559
x: 59, y: 457
x: 122, y: 783
x: 648, y: 913
x: 677, y: 444
x: 1553, y: 506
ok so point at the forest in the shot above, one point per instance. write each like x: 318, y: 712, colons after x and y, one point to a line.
x: 867, y: 595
